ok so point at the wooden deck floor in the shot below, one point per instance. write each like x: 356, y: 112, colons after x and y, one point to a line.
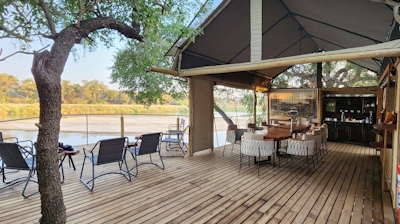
x: 207, y: 188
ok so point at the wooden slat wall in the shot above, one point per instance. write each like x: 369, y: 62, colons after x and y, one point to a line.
x: 207, y: 188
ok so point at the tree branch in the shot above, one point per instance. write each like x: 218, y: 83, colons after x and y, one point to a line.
x: 19, y: 52
x: 90, y: 25
x: 50, y: 21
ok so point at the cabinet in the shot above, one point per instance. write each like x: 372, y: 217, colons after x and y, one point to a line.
x: 342, y: 133
x: 358, y: 133
x: 358, y: 108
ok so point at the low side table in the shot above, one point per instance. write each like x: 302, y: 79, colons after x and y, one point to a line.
x: 69, y: 153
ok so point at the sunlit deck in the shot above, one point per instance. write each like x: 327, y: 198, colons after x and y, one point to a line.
x: 207, y: 188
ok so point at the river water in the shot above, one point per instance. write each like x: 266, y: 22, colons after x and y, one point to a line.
x: 86, y: 129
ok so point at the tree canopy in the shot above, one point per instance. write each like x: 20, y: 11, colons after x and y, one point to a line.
x: 132, y: 61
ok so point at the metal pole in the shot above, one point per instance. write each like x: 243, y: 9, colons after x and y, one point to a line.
x: 177, y: 123
x: 87, y: 130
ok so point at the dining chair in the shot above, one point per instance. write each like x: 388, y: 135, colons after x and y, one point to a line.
x: 301, y: 147
x: 233, y: 136
x: 324, y: 139
x: 255, y: 145
x: 318, y: 142
x: 304, y: 121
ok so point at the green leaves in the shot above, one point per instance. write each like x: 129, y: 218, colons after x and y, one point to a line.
x: 160, y: 29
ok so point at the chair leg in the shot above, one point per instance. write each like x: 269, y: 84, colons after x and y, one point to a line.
x: 312, y: 158
x: 83, y: 181
x: 121, y: 170
x: 223, y: 151
x: 31, y: 173
x: 162, y: 162
x: 241, y: 158
x: 279, y: 158
x: 62, y: 173
x: 273, y: 161
x: 258, y: 165
x: 135, y: 167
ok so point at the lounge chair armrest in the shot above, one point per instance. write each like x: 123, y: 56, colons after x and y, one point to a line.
x: 26, y: 141
x: 87, y: 149
x: 11, y: 138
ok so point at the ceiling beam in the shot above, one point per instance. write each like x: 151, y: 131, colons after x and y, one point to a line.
x: 387, y: 49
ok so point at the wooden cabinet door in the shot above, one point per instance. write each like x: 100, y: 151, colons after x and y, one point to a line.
x: 342, y: 133
x: 356, y: 133
x: 331, y: 132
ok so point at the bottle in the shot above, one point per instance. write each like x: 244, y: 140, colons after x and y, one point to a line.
x: 370, y: 117
x: 342, y: 118
x: 367, y: 120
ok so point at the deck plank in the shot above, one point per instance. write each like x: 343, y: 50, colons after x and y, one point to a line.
x: 208, y: 188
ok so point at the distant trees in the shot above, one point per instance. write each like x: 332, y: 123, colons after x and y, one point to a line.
x: 13, y: 90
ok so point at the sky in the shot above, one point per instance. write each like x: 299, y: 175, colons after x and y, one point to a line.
x: 90, y: 66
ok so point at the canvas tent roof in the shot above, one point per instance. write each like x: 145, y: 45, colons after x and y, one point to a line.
x: 289, y: 28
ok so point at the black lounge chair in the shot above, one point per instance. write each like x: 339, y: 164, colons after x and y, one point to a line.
x: 109, y: 151
x: 147, y: 144
x: 16, y: 157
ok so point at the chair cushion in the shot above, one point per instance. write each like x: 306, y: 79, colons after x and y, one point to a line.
x: 171, y: 140
x: 134, y: 150
x: 95, y: 158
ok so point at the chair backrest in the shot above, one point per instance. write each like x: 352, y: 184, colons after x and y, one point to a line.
x: 180, y: 137
x: 10, y: 154
x: 111, y: 150
x: 150, y: 143
x: 182, y: 122
x: 232, y: 127
x: 300, y: 147
x: 251, y: 125
x: 304, y: 121
x: 254, y: 147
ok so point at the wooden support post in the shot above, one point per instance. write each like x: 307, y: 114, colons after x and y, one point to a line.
x: 122, y: 126
x: 319, y: 75
x: 384, y: 184
x: 254, y: 107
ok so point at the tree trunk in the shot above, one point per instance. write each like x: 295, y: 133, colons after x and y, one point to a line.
x: 46, y: 69
x: 49, y: 89
x: 223, y: 114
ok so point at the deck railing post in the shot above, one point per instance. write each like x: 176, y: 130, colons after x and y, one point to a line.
x: 122, y: 126
x: 87, y: 130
